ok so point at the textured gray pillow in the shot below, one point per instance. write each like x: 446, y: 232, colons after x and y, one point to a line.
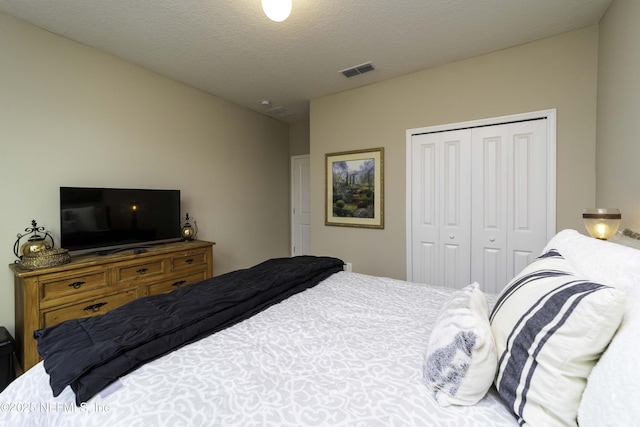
x: 461, y: 359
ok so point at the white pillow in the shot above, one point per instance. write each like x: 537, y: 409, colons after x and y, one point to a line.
x: 613, y: 388
x: 612, y: 395
x: 550, y: 327
x: 460, y: 363
x: 599, y: 260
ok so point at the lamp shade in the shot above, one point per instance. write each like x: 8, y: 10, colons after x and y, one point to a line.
x: 277, y: 10
x: 602, y: 223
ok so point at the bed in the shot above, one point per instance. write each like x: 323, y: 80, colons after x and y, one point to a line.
x: 352, y: 350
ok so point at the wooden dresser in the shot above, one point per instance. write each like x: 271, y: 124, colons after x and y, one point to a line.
x: 94, y: 284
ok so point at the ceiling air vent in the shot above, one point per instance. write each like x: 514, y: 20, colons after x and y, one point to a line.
x: 358, y: 69
x: 280, y: 112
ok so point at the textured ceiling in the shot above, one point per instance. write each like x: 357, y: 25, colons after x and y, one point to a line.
x: 232, y: 50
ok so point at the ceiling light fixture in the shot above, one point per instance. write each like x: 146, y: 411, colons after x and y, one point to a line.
x: 277, y: 10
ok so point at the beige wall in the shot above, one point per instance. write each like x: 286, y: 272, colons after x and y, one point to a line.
x: 71, y: 115
x: 618, y: 135
x: 299, y: 138
x: 558, y: 72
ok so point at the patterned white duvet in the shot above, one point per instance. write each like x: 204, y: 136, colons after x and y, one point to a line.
x: 347, y: 352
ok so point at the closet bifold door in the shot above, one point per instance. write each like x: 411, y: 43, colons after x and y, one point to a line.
x: 509, y: 193
x: 490, y: 201
x: 441, y: 208
x: 478, y: 203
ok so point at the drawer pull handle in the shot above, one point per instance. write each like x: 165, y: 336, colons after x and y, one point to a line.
x: 179, y: 283
x: 76, y: 285
x: 189, y: 261
x: 94, y: 307
x: 141, y: 270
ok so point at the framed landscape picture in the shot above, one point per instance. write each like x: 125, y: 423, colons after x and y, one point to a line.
x: 354, y: 183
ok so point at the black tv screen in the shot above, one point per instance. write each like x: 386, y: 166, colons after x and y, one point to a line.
x: 108, y: 219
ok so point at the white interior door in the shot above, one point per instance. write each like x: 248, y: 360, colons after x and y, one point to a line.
x: 441, y: 208
x: 300, y: 206
x: 529, y: 189
x: 509, y: 200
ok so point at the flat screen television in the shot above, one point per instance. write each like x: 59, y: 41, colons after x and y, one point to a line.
x: 106, y: 220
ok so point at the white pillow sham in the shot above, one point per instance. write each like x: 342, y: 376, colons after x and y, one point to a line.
x: 599, y: 260
x: 611, y: 396
x: 460, y: 363
x: 550, y: 327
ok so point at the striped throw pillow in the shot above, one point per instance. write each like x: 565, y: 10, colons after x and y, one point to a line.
x: 550, y: 327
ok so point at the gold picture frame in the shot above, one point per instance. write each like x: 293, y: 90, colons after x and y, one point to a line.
x: 354, y: 188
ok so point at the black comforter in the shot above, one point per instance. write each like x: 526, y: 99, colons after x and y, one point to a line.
x: 90, y: 353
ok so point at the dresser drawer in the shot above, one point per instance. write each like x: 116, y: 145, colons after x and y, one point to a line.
x: 140, y: 271
x: 175, y: 283
x: 188, y: 259
x: 89, y: 308
x: 92, y: 284
x: 55, y: 287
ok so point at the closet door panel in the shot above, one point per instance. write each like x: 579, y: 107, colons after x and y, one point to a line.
x: 424, y: 212
x: 454, y: 274
x: 492, y: 260
x: 528, y: 191
x: 490, y: 205
x: 428, y: 257
x: 521, y: 259
x: 456, y: 208
x: 440, y: 215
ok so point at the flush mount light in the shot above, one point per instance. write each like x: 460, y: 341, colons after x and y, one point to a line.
x: 277, y: 10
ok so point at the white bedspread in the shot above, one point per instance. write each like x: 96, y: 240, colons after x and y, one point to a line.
x: 347, y: 352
